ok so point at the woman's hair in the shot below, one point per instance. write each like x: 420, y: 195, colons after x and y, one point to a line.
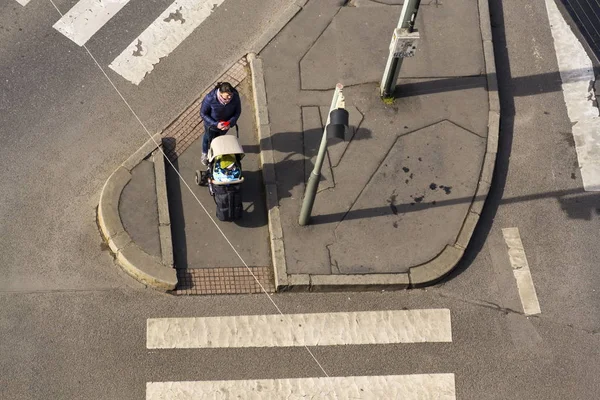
x: 224, y: 87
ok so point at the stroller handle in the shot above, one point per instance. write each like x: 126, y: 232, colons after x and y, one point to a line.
x: 228, y: 182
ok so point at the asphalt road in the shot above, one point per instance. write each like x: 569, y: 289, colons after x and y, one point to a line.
x: 72, y: 326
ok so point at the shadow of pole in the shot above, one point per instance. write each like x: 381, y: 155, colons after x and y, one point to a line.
x: 580, y: 206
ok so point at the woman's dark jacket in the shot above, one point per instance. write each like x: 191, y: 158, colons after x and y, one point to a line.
x: 213, y: 112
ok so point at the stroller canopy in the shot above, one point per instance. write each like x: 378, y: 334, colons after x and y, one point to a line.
x: 226, y: 144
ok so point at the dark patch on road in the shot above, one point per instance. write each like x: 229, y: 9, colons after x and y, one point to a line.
x: 573, y: 175
x: 433, y: 186
x: 176, y: 16
x: 138, y: 49
x: 568, y: 137
x: 447, y: 189
x: 406, y: 170
x: 392, y: 202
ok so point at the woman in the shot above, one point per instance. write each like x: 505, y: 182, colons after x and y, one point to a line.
x: 220, y: 111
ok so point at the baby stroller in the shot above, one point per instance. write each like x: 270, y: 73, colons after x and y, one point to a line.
x: 223, y: 176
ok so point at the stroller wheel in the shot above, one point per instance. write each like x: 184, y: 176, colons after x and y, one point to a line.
x: 198, y: 177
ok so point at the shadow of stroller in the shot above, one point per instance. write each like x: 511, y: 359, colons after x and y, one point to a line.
x: 253, y: 200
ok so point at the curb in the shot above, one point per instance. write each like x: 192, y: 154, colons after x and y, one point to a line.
x: 143, y: 267
x: 274, y: 28
x: 418, y: 276
x: 434, y: 270
x: 259, y: 95
x: 164, y: 220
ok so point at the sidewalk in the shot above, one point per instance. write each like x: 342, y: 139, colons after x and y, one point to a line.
x: 204, y: 259
x: 399, y: 199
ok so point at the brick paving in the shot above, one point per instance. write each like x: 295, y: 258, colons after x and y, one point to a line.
x: 188, y: 127
x: 236, y: 280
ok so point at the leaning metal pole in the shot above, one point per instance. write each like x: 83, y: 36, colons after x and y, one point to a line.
x: 315, y: 175
x: 394, y: 63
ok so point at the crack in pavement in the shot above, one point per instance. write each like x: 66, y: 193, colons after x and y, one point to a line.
x: 505, y: 311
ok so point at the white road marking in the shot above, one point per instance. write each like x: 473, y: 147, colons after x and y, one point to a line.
x: 405, y: 387
x: 326, y: 329
x: 520, y: 267
x: 577, y: 74
x: 86, y: 18
x: 23, y: 2
x: 167, y: 32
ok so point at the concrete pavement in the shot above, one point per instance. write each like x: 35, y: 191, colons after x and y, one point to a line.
x: 155, y: 218
x: 399, y: 197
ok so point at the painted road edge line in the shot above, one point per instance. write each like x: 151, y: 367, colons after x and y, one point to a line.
x: 319, y: 329
x: 406, y: 387
x: 23, y: 2
x: 163, y: 36
x: 577, y: 76
x: 520, y: 267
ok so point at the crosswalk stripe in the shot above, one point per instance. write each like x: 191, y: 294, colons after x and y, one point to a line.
x: 86, y: 17
x: 520, y: 266
x: 576, y: 72
x: 171, y: 28
x: 405, y: 387
x: 23, y: 2
x: 325, y: 329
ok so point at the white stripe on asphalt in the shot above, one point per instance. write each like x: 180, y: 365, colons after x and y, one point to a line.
x: 327, y: 329
x: 23, y: 2
x: 86, y: 18
x: 577, y: 75
x: 520, y: 267
x: 405, y: 387
x: 173, y: 26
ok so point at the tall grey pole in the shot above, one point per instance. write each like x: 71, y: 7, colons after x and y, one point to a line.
x: 315, y: 175
x: 392, y: 68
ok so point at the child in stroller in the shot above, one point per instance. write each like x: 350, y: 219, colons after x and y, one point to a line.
x: 224, y: 176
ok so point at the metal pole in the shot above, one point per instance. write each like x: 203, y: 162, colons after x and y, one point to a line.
x: 315, y: 175
x: 407, y: 20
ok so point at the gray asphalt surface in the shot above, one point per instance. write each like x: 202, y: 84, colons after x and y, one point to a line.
x: 72, y: 326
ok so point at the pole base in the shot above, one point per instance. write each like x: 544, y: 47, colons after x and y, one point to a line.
x: 388, y: 100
